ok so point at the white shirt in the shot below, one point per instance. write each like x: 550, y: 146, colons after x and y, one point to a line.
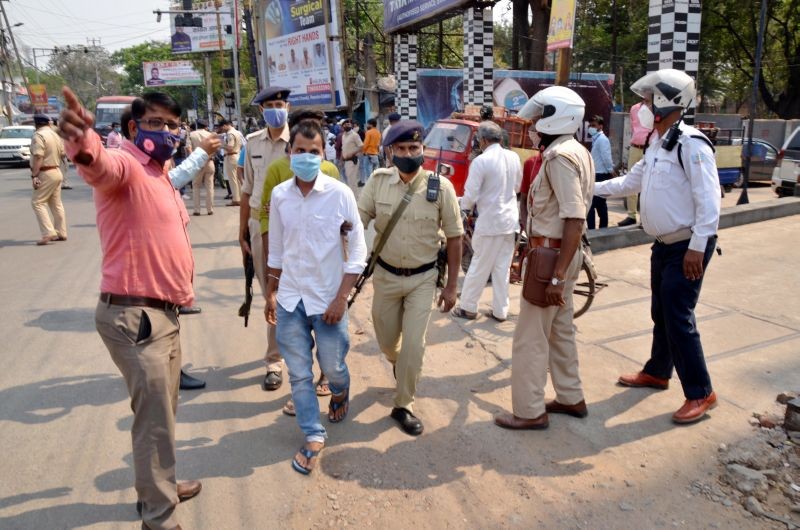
x: 673, y: 198
x: 601, y: 153
x: 330, y: 147
x: 183, y: 174
x: 305, y: 242
x: 492, y: 185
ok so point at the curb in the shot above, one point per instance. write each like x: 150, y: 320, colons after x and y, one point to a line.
x: 621, y: 237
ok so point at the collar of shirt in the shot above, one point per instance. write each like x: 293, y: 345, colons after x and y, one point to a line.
x: 284, y: 134
x: 555, y: 143
x: 320, y: 185
x: 395, y: 178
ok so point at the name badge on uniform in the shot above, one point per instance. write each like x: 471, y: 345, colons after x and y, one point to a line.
x: 698, y: 158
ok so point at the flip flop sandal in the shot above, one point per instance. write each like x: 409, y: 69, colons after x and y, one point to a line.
x: 289, y: 409
x: 491, y: 315
x: 334, y: 406
x: 309, y: 454
x: 322, y: 387
x: 460, y: 313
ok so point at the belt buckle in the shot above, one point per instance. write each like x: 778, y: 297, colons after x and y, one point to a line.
x: 405, y: 272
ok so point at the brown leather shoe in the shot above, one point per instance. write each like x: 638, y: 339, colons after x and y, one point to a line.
x: 46, y: 241
x: 509, y: 421
x: 189, y: 489
x: 641, y: 379
x: 577, y: 410
x: 694, y: 409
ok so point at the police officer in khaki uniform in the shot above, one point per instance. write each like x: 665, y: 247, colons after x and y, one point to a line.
x: 47, y: 158
x: 557, y: 203
x: 405, y: 274
x: 233, y: 145
x: 205, y: 177
x: 263, y: 148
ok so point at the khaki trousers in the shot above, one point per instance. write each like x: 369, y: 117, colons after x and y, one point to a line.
x: 204, y: 178
x: 351, y: 174
x: 229, y: 167
x: 401, y: 310
x: 634, y: 155
x: 49, y: 196
x: 273, y: 356
x: 545, y: 338
x: 145, y: 345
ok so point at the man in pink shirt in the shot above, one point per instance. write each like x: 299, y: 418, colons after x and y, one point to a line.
x: 147, y: 274
x: 114, y: 138
x: 639, y: 135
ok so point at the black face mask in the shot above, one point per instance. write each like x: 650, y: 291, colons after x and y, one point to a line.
x: 408, y: 164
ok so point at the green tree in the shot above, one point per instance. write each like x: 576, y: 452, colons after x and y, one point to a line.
x: 87, y: 70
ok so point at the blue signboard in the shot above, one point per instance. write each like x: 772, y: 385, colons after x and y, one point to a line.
x: 400, y: 14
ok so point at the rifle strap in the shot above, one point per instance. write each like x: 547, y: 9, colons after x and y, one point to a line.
x: 412, y: 189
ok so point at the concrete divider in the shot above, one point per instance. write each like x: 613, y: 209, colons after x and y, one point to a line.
x: 616, y: 237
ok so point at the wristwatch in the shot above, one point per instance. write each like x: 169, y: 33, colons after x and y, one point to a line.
x: 556, y: 282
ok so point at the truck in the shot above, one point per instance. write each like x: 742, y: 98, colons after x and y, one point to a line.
x: 108, y: 110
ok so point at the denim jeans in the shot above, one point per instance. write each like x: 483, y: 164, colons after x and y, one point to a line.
x: 368, y: 164
x: 599, y: 205
x: 293, y: 333
x: 676, y: 340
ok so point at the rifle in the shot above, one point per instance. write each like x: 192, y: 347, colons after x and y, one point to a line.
x: 249, y: 273
x: 362, y: 278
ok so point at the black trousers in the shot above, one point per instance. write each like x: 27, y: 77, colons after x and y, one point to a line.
x: 599, y: 205
x: 676, y: 340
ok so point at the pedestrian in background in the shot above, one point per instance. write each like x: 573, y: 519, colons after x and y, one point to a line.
x: 604, y: 170
x: 369, y: 161
x: 639, y: 136
x: 351, y: 151
x: 47, y: 161
x: 232, y: 146
x: 205, y: 178
x: 114, y: 138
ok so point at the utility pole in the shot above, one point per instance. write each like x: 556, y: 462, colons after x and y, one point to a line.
x: 209, y: 88
x: 6, y: 61
x: 237, y: 103
x: 370, y: 75
x: 16, y: 51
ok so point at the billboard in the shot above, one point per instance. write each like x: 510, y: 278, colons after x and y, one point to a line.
x: 443, y: 91
x: 404, y: 14
x: 562, y: 24
x: 298, y: 54
x: 171, y: 73
x: 38, y: 96
x: 207, y: 38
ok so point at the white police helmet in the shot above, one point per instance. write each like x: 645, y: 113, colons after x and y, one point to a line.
x: 669, y: 89
x: 559, y: 109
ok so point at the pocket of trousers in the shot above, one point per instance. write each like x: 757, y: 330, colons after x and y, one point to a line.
x: 145, y: 328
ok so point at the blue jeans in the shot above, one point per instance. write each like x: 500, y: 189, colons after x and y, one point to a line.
x: 676, y: 340
x: 293, y: 334
x: 367, y: 164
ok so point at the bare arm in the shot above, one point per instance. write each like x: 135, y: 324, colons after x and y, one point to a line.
x: 447, y: 300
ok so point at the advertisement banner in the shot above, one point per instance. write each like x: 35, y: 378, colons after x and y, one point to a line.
x: 402, y: 14
x: 562, y: 23
x: 443, y: 91
x: 298, y: 54
x: 171, y: 73
x: 38, y: 96
x: 207, y: 38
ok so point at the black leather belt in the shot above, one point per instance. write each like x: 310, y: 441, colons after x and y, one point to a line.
x: 141, y: 301
x: 406, y: 272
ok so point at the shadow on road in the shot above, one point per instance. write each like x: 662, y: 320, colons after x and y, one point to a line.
x: 21, y: 498
x: 76, y: 515
x: 233, y: 273
x: 16, y: 243
x: 79, y: 319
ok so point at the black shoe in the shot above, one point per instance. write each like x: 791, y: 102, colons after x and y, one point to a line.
x: 182, y: 310
x: 408, y: 422
x: 191, y: 383
x: 66, y: 187
x: 228, y: 197
x: 273, y: 381
x: 361, y: 184
x: 628, y: 221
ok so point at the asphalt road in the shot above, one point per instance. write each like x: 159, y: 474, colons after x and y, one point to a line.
x: 65, y: 419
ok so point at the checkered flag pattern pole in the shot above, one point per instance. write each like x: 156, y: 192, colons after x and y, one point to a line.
x: 673, y: 39
x: 478, y: 56
x: 405, y: 67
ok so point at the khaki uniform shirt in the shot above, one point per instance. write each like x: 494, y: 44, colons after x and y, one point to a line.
x: 261, y: 152
x: 416, y: 238
x: 351, y: 145
x: 195, y: 137
x: 48, y: 144
x: 233, y: 142
x: 562, y: 190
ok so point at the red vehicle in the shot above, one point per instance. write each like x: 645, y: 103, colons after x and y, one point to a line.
x: 108, y: 110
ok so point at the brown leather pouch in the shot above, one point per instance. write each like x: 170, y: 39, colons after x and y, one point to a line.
x: 540, y: 265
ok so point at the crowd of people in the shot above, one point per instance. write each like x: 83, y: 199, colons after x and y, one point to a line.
x: 302, y: 222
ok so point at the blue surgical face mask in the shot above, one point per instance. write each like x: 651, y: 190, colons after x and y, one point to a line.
x: 592, y: 131
x: 305, y: 166
x: 275, y: 118
x: 158, y: 145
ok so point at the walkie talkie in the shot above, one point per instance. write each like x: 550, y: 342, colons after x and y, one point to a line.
x: 432, y: 194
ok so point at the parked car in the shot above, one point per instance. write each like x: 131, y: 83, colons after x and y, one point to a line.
x: 15, y: 144
x: 786, y: 174
x: 765, y: 158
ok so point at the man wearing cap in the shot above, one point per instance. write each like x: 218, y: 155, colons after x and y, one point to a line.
x: 405, y: 275
x: 232, y: 146
x: 263, y: 148
x: 47, y: 157
x: 205, y: 178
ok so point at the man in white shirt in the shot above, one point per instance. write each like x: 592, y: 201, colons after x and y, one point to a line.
x: 316, y: 267
x: 492, y: 185
x: 603, y: 170
x: 680, y: 204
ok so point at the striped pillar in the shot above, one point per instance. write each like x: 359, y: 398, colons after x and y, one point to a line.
x: 673, y: 39
x: 405, y: 67
x: 478, y: 58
